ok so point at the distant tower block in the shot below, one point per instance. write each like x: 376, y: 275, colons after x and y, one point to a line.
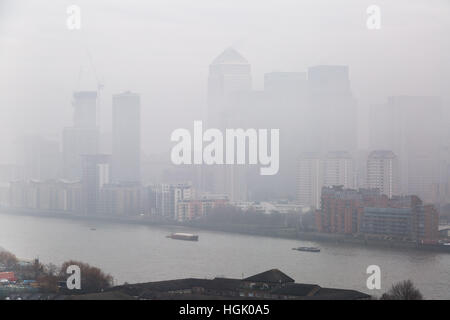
x: 126, y: 163
x: 338, y: 169
x: 83, y: 136
x: 85, y: 109
x: 309, y: 179
x: 229, y: 73
x: 382, y: 172
x: 95, y: 174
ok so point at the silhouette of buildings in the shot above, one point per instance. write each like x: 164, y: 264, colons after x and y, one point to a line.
x: 382, y: 172
x: 83, y: 137
x: 95, y: 174
x: 366, y: 212
x: 413, y: 128
x: 37, y: 158
x: 272, y: 284
x: 229, y: 75
x: 315, y: 171
x: 332, y: 109
x: 126, y: 140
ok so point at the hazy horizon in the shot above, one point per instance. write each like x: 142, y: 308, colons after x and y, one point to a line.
x: 162, y: 50
x: 273, y: 150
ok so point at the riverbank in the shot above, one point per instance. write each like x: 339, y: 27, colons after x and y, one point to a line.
x: 136, y: 253
x: 292, y: 233
x: 255, y: 230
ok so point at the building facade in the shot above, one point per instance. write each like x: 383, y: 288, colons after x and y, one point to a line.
x: 315, y: 171
x: 95, y: 174
x: 368, y: 213
x: 126, y: 139
x: 229, y: 75
x: 309, y: 179
x: 413, y: 128
x: 83, y: 137
x: 382, y: 172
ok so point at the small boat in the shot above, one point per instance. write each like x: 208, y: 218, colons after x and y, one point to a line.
x: 183, y: 236
x: 307, y: 249
x: 93, y: 229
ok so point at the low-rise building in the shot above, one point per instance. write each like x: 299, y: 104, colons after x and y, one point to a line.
x: 120, y: 199
x: 269, y: 207
x: 52, y: 195
x: 272, y: 284
x: 367, y: 212
x: 197, y: 208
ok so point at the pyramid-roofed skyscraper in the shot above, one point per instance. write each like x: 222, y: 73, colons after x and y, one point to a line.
x: 229, y: 56
x: 229, y: 73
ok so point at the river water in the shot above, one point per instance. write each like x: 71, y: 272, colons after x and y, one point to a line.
x: 134, y: 253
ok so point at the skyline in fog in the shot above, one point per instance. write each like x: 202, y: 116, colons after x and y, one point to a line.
x: 163, y: 52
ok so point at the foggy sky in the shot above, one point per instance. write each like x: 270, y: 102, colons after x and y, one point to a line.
x: 162, y: 50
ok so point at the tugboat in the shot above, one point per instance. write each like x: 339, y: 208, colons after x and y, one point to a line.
x: 183, y: 236
x: 307, y: 249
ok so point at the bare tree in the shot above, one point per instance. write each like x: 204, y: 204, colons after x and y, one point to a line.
x: 48, y: 283
x: 8, y: 259
x: 404, y: 290
x: 51, y: 269
x: 92, y: 279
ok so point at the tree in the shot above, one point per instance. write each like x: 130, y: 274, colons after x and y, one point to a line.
x: 404, y: 290
x: 51, y: 269
x: 92, y: 279
x: 29, y: 271
x: 48, y: 283
x: 8, y: 259
x: 308, y: 221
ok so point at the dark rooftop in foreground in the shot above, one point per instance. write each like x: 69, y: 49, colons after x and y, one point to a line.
x: 272, y: 284
x: 270, y: 276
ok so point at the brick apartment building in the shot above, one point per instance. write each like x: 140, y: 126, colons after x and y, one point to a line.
x: 367, y: 212
x: 342, y: 209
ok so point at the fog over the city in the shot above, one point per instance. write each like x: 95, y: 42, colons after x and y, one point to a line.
x: 268, y: 149
x: 162, y: 50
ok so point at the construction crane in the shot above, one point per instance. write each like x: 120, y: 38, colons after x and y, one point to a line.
x: 100, y: 85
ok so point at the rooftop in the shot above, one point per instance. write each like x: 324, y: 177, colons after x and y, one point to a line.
x: 230, y: 56
x: 271, y: 284
x: 270, y: 276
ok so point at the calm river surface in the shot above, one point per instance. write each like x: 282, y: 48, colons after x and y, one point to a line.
x: 133, y: 253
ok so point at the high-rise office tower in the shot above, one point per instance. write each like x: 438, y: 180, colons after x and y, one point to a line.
x: 309, y: 179
x: 286, y: 84
x: 85, y: 109
x: 315, y: 171
x: 76, y: 142
x: 229, y: 75
x: 382, y: 127
x: 332, y: 109
x: 413, y: 128
x: 95, y: 174
x: 338, y: 169
x: 126, y: 140
x: 382, y: 172
x: 83, y: 137
x: 38, y: 158
x: 283, y: 107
